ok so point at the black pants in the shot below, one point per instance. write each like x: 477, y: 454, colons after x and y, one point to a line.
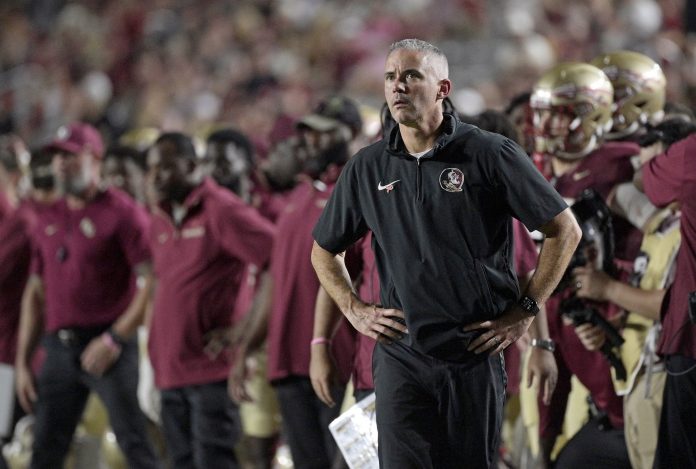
x: 63, y: 388
x: 676, y: 440
x: 596, y: 448
x: 201, y: 426
x: 360, y: 394
x: 433, y: 414
x: 306, y: 423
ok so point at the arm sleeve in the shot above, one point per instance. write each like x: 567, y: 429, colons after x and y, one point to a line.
x: 341, y: 223
x: 663, y: 176
x: 243, y: 232
x: 529, y: 195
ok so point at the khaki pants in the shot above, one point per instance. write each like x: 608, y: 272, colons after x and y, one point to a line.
x: 642, y: 419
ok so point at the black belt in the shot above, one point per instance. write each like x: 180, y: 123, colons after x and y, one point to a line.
x: 78, y: 336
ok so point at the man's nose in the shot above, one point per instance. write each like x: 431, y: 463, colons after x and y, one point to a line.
x: 399, y: 86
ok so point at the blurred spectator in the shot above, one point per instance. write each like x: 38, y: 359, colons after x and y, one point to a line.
x: 126, y: 64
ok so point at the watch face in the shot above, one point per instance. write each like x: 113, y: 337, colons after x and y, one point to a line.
x: 529, y: 305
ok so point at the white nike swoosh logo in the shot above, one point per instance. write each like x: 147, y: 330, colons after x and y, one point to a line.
x: 381, y: 187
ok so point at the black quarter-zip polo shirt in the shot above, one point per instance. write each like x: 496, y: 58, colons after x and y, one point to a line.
x: 442, y: 227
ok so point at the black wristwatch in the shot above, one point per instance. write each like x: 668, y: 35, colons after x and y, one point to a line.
x: 546, y: 344
x: 528, y: 304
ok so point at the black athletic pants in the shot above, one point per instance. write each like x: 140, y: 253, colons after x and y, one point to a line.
x: 437, y: 414
x: 676, y: 440
x: 63, y: 389
x: 306, y: 423
x: 596, y: 448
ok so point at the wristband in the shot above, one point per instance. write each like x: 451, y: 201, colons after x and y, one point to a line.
x: 108, y: 340
x: 116, y: 338
x: 320, y: 340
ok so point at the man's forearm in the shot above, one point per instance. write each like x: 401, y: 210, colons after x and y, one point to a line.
x: 134, y: 316
x: 540, y: 326
x: 327, y: 315
x: 647, y: 303
x: 255, y: 323
x: 31, y: 321
x: 562, y: 237
x: 333, y: 275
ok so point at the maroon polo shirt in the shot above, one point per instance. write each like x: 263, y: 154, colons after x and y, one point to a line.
x: 15, y: 254
x: 199, y: 267
x: 525, y: 258
x: 671, y: 177
x: 86, y: 258
x: 602, y: 170
x: 295, y: 287
x: 369, y: 293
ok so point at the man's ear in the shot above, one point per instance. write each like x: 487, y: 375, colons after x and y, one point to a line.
x: 445, y: 86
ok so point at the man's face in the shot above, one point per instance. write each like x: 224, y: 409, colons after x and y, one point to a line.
x: 75, y: 172
x: 412, y: 85
x: 169, y: 175
x: 229, y: 162
x: 124, y: 174
x: 522, y: 119
x: 552, y: 128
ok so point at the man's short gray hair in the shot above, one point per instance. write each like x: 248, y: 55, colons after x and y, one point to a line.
x: 422, y: 46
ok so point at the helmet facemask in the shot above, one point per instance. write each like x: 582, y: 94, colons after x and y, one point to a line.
x: 572, y: 110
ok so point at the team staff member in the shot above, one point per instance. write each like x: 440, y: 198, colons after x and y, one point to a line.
x: 231, y: 157
x: 14, y: 249
x: 438, y: 196
x: 89, y: 248
x: 670, y: 177
x: 291, y: 292
x: 202, y: 237
x: 14, y: 265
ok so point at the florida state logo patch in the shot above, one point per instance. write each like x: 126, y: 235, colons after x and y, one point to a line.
x: 452, y: 180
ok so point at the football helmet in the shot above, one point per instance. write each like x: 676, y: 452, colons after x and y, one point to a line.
x: 639, y: 90
x: 571, y: 106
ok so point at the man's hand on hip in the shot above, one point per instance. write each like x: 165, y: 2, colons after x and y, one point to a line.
x: 383, y: 325
x: 501, y: 332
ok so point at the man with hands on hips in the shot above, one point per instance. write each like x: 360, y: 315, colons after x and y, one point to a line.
x: 439, y: 197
